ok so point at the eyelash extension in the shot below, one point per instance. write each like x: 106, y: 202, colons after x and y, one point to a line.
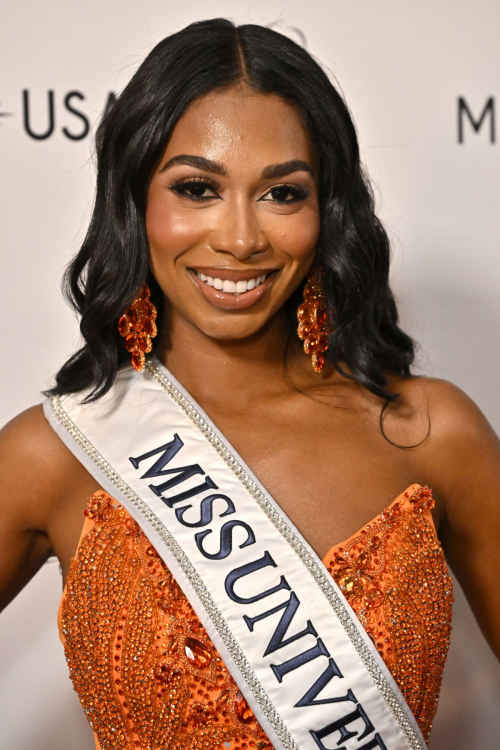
x: 299, y: 193
x: 182, y: 186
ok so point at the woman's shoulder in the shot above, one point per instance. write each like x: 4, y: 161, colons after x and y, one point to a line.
x: 458, y: 447
x: 35, y: 466
x: 453, y: 414
x: 28, y: 439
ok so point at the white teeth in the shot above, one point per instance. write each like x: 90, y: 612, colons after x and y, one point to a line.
x: 231, y: 287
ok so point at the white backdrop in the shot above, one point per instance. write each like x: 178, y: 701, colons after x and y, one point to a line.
x: 403, y: 65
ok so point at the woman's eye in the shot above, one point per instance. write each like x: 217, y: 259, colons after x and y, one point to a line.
x: 280, y: 192
x: 195, y: 189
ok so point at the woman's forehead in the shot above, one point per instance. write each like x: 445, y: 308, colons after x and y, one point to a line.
x: 234, y: 124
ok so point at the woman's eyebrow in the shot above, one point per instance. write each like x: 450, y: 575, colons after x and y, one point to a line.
x: 286, y: 167
x: 208, y: 165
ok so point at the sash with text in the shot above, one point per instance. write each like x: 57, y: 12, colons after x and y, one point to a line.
x: 283, y: 628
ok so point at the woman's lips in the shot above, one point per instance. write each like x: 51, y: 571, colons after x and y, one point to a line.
x: 257, y: 282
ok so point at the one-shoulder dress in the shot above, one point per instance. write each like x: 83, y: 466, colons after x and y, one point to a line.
x: 147, y: 674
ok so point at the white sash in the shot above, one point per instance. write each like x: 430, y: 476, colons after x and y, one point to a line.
x: 283, y: 628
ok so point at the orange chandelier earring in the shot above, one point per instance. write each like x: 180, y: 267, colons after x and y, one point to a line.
x: 137, y: 325
x: 313, y: 320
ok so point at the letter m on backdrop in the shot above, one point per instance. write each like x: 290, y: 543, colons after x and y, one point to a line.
x: 464, y: 113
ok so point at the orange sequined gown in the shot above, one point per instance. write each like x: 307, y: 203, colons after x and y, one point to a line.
x: 147, y: 673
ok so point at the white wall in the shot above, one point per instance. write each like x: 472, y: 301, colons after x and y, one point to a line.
x: 402, y: 66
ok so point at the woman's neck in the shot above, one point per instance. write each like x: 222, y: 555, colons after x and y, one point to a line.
x: 232, y: 373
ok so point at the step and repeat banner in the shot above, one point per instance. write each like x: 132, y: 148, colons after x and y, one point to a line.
x: 422, y: 81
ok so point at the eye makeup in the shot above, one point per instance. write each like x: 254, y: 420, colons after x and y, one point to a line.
x: 198, y: 185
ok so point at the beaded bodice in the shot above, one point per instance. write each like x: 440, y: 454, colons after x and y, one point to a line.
x: 147, y: 673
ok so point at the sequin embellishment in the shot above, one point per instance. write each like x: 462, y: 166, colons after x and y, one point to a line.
x: 140, y: 660
x: 394, y: 576
x: 147, y: 673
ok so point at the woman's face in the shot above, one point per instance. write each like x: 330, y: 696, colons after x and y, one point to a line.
x: 232, y: 213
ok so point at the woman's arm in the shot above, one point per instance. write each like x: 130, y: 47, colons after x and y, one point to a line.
x: 26, y: 490
x: 463, y: 461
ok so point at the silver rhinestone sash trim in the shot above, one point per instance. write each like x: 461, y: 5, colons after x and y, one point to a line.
x: 202, y: 592
x: 317, y: 572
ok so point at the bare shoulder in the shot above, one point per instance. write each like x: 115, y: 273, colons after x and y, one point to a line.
x: 29, y: 442
x: 34, y: 466
x: 454, y: 417
x: 459, y: 455
x: 28, y: 431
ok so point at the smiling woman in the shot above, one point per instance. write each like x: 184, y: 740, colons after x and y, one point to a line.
x: 251, y: 571
x: 251, y: 224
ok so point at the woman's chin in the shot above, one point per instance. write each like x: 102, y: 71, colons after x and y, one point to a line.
x: 236, y: 334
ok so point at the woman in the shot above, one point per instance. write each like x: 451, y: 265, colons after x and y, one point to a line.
x: 234, y: 230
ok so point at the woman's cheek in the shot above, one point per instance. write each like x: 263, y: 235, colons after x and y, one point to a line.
x: 169, y: 230
x: 298, y: 237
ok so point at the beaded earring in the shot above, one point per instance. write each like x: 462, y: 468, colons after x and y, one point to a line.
x: 137, y: 326
x: 312, y: 316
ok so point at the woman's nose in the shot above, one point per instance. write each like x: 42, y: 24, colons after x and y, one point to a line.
x: 238, y: 231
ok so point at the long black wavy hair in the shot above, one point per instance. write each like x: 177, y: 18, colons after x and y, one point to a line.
x: 353, y: 247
